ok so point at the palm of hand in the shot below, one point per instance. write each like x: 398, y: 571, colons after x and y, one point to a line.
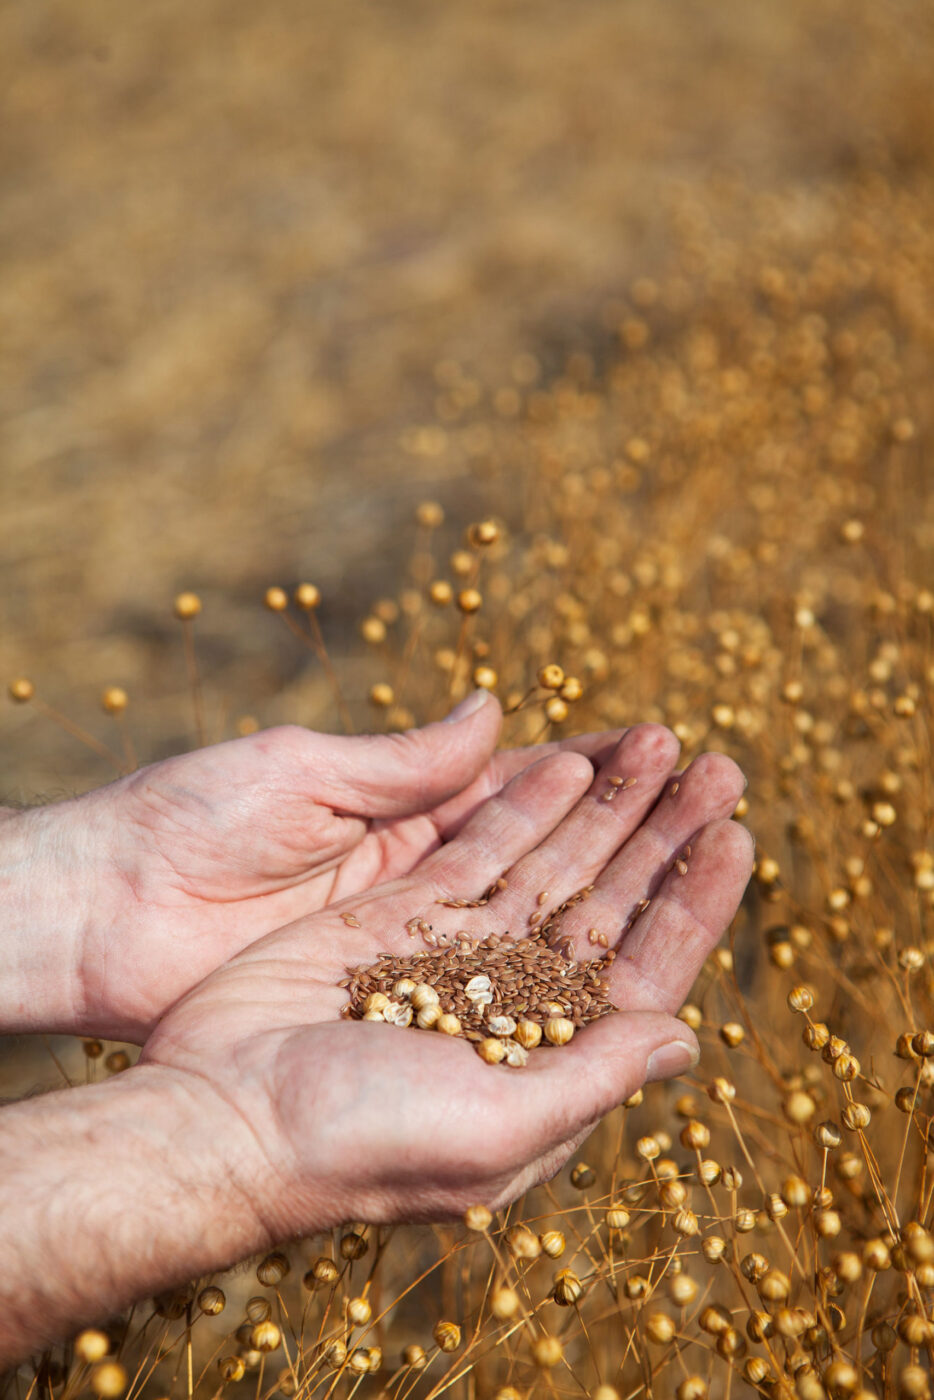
x: 218, y: 847
x: 363, y: 1120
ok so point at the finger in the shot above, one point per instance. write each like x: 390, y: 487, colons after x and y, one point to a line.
x: 507, y: 826
x: 577, y: 851
x: 392, y: 775
x: 658, y: 960
x: 707, y: 790
x: 451, y: 815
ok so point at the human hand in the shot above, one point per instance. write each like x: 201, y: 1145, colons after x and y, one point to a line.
x: 124, y: 899
x: 328, y: 1120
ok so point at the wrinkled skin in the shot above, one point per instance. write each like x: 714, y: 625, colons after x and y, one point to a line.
x: 344, y: 1120
x: 188, y: 861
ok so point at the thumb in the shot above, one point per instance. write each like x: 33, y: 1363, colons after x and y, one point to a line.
x: 394, y: 775
x: 565, y: 1091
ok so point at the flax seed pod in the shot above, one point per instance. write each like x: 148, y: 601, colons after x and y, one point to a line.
x: 447, y: 1335
x: 695, y: 1135
x: 469, y: 600
x: 659, y: 1328
x: 491, y: 1050
x: 448, y: 1024
x: 617, y: 1216
x: 692, y: 1388
x: 323, y: 1273
x: 522, y: 1243
x: 424, y: 995
x: 334, y: 1354
x: 415, y: 1357
x: 273, y: 1269
x: 231, y: 1368
x: 547, y: 1352
x: 714, y: 1248
x: 477, y: 1218
x: 774, y: 1286
x: 359, y: 1311
x: 551, y: 676
x: 307, y: 596
x: 108, y: 1380
x: 212, y: 1300
x: 558, y: 1030
x: 504, y: 1303
x: 528, y: 1034
x: 567, y: 1289
x: 187, y: 606
x: 265, y: 1337
x: 353, y: 1245
x: 553, y: 1243
x: 91, y: 1346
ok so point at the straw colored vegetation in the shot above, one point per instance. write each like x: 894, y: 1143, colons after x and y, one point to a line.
x: 718, y: 519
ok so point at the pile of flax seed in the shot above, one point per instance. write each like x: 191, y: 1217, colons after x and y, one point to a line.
x: 504, y: 995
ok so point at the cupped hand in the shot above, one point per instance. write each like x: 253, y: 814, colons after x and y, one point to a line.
x: 330, y: 1120
x: 188, y: 861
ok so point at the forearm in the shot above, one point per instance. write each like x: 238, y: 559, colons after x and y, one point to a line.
x: 47, y: 880
x: 112, y: 1193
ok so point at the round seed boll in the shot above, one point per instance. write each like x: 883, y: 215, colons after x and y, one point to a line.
x: 553, y: 1243
x: 522, y: 1243
x: 307, y: 596
x: 424, y: 995
x: 477, y: 1218
x: 558, y: 1030
x: 551, y: 676
x: 504, y: 1303
x: 359, y: 1311
x: 109, y: 1380
x: 528, y: 1034
x: 212, y: 1300
x: 334, y: 1354
x: 582, y: 1176
x: 187, y: 606
x: 448, y: 1024
x: 258, y: 1309
x: 231, y: 1368
x: 272, y: 1269
x: 415, y: 1357
x: 265, y: 1336
x: 323, y: 1273
x: 567, y: 1288
x: 660, y: 1328
x: 447, y: 1335
x: 276, y: 600
x: 353, y: 1246
x: 429, y: 1016
x: 91, y: 1346
x: 469, y: 600
x: 617, y: 1216
x: 492, y: 1051
x: 547, y: 1352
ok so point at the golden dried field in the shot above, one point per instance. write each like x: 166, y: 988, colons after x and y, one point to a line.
x: 303, y: 293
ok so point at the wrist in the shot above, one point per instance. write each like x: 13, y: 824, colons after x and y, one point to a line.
x: 115, y: 1192
x: 49, y: 878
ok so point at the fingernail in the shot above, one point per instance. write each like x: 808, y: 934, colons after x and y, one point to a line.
x: 674, y: 1058
x: 467, y: 707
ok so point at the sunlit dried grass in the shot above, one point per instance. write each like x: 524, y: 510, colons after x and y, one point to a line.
x: 719, y: 521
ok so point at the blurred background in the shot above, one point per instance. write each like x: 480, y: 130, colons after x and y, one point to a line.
x: 244, y: 247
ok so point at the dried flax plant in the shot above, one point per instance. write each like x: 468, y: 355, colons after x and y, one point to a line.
x: 722, y: 521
